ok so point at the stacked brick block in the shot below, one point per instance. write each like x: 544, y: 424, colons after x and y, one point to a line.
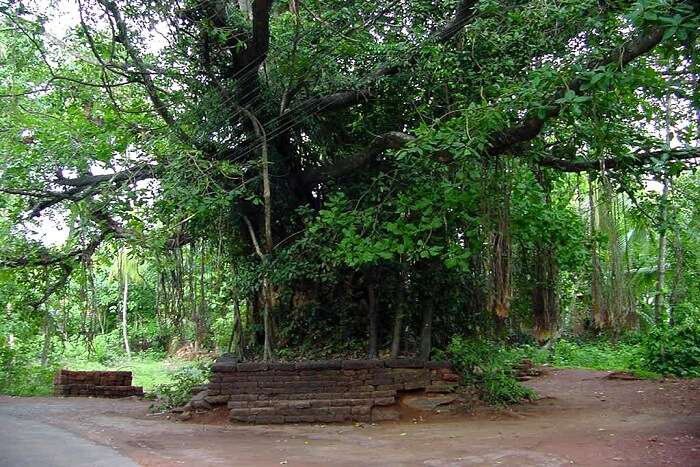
x: 95, y: 383
x: 323, y: 391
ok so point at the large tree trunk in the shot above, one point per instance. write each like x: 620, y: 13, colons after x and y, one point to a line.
x: 396, y: 335
x: 426, y: 334
x: 372, y: 351
x: 237, y: 340
x: 398, y: 316
x: 545, y: 301
x: 267, y: 322
x: 500, y: 290
x: 545, y: 297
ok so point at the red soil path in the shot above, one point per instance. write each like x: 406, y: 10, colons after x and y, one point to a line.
x: 582, y: 419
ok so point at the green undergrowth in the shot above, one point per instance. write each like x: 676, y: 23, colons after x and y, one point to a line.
x: 147, y: 372
x: 180, y: 386
x: 489, y: 367
x: 29, y: 380
x: 593, y: 355
x: 663, y: 351
x: 26, y: 377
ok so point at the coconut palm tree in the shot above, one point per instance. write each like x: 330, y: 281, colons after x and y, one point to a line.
x: 125, y: 269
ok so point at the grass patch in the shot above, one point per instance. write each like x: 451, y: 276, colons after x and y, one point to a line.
x: 596, y: 355
x: 146, y: 371
x: 24, y: 378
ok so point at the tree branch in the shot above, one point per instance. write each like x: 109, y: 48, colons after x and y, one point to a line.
x: 145, y: 75
x: 140, y: 172
x: 613, y: 163
x: 390, y: 140
x: 67, y: 270
x: 344, y: 99
x: 532, y: 124
x: 46, y: 258
x: 81, y: 187
x: 507, y: 139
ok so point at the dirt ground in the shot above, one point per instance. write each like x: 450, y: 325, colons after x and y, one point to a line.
x: 582, y: 418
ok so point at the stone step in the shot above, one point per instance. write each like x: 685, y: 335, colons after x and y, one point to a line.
x: 308, y: 413
x: 311, y: 403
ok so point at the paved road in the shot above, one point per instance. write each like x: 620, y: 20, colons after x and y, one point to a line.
x: 30, y: 443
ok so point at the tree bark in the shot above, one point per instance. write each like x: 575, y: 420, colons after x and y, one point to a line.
x: 426, y: 334
x: 264, y: 255
x: 372, y: 351
x: 237, y: 340
x: 501, y: 256
x: 545, y: 302
x: 396, y: 337
x: 267, y: 321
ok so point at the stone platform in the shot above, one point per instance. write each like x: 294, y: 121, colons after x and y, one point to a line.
x: 319, y: 391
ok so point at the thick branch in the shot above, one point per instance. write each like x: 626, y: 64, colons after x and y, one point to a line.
x: 532, y: 124
x: 634, y: 160
x: 260, y: 40
x: 463, y: 14
x: 46, y: 258
x: 345, y: 99
x: 390, y: 140
x: 80, y: 188
x: 507, y: 139
x: 141, y: 172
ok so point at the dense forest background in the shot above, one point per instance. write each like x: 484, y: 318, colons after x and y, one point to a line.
x: 311, y: 179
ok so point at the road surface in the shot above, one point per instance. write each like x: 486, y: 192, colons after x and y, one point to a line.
x: 582, y: 419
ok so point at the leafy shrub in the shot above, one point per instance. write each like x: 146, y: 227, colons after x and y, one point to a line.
x: 31, y: 380
x: 148, y: 336
x: 20, y: 375
x: 490, y: 368
x: 673, y: 351
x: 106, y: 348
x: 183, y: 380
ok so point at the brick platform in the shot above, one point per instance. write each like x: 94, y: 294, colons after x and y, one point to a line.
x: 95, y: 383
x: 322, y: 391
